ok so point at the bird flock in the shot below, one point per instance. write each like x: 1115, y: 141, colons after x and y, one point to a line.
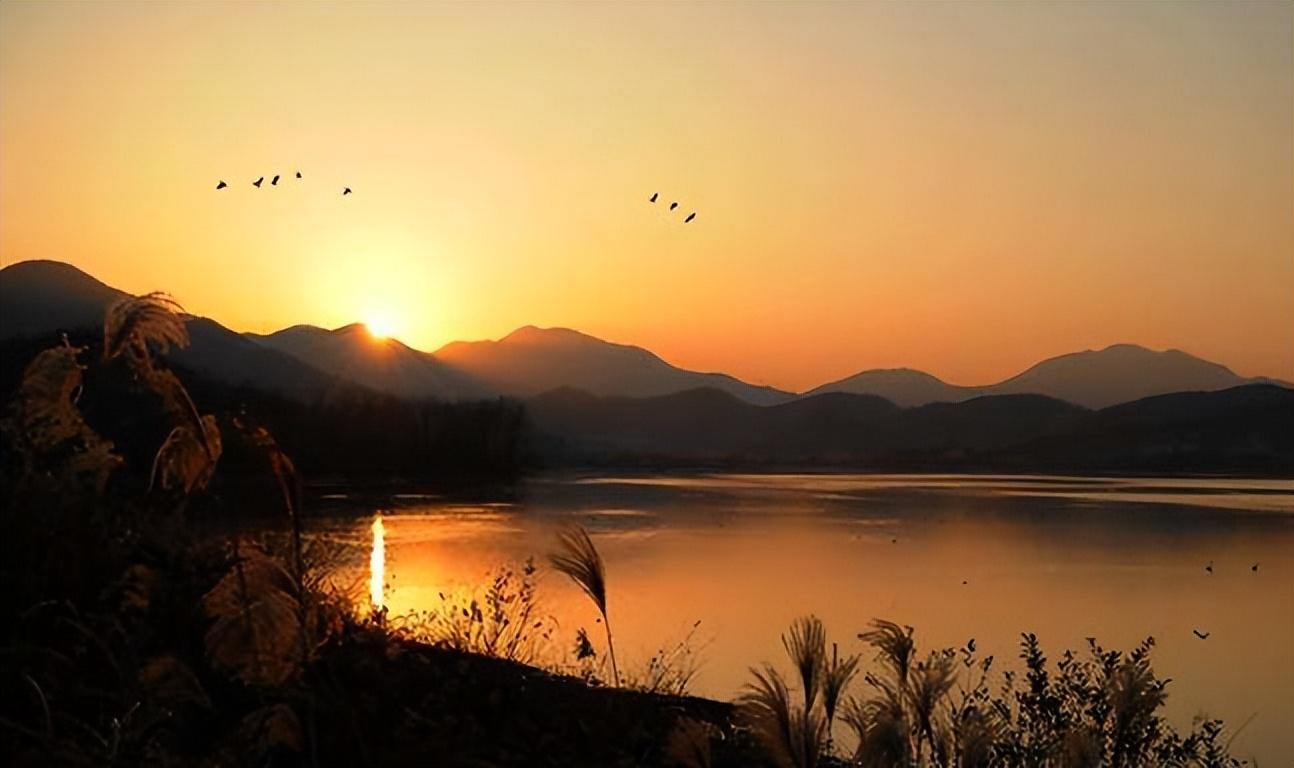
x: 274, y: 182
x: 672, y: 206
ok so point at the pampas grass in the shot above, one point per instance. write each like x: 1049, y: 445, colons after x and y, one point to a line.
x: 795, y: 737
x: 579, y: 559
x: 807, y: 646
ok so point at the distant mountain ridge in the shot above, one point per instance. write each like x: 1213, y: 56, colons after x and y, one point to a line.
x: 1248, y: 429
x: 532, y: 360
x: 1119, y: 373
x: 351, y: 353
x: 40, y: 297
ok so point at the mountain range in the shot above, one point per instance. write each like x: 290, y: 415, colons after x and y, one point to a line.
x: 1247, y: 429
x: 40, y: 297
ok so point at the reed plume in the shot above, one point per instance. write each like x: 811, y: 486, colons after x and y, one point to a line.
x: 579, y: 559
x: 807, y: 646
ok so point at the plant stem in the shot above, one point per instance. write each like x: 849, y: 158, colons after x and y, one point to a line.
x: 611, y: 650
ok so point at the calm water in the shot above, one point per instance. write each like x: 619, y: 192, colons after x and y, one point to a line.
x: 1067, y: 558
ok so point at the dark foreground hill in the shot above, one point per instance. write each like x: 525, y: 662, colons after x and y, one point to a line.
x: 1244, y: 429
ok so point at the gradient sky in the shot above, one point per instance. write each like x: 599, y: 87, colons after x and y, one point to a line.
x: 961, y: 188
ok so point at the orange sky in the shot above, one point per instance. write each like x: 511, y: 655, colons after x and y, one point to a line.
x: 962, y: 188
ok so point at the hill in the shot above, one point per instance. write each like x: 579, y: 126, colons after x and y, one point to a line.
x: 387, y: 365
x: 1093, y: 379
x: 1243, y: 429
x: 533, y: 360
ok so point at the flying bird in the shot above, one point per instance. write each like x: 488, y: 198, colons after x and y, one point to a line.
x: 298, y: 174
x: 1209, y: 567
x: 672, y: 206
x: 257, y: 183
x: 221, y: 185
x: 1255, y: 568
x: 654, y: 195
x: 1201, y: 635
x: 690, y: 216
x: 274, y: 181
x: 346, y: 191
x: 970, y: 645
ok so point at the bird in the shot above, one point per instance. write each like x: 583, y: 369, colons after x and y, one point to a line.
x: 1201, y: 635
x: 274, y: 181
x: 221, y: 185
x: 1255, y: 568
x: 298, y: 174
x: 970, y: 645
x: 257, y: 183
x: 672, y: 206
x: 894, y: 541
x: 346, y: 191
x: 654, y: 195
x: 690, y: 216
x: 964, y: 582
x: 1209, y: 567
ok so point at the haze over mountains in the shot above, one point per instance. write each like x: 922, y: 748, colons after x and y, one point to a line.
x: 40, y: 297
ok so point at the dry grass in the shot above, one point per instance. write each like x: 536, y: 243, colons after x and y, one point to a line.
x: 579, y: 559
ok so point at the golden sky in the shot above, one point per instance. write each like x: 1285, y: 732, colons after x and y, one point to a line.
x: 961, y: 188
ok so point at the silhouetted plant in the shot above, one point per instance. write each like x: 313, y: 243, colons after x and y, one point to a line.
x: 579, y: 559
x: 836, y: 677
x: 504, y: 620
x: 1103, y: 710
x: 670, y: 670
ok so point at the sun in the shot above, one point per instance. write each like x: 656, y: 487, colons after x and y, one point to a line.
x: 380, y: 325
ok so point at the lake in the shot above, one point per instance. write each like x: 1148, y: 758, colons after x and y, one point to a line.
x: 956, y: 557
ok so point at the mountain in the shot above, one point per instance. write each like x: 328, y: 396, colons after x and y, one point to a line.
x: 1248, y: 429
x: 1093, y: 379
x: 1120, y: 373
x: 901, y: 386
x: 41, y: 298
x: 38, y: 298
x: 386, y: 365
x: 697, y: 425
x: 532, y: 360
x: 1243, y: 429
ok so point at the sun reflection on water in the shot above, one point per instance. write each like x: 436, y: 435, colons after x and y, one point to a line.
x: 377, y: 564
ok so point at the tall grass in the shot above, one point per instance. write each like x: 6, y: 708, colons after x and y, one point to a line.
x: 579, y: 559
x: 1102, y: 710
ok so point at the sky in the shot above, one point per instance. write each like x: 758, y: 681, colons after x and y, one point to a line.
x: 961, y: 188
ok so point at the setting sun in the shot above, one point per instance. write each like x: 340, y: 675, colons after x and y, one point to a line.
x: 380, y: 326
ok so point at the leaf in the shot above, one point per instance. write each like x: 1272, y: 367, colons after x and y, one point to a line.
x: 255, y: 635
x: 184, y: 461
x: 50, y: 425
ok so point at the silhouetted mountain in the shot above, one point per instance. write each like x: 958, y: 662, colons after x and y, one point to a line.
x: 353, y: 354
x: 1244, y: 429
x: 708, y: 425
x: 532, y: 360
x: 1119, y: 374
x: 231, y: 358
x: 40, y: 298
x: 901, y: 386
x: 1093, y: 379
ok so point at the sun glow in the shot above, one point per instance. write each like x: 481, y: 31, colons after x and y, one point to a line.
x: 377, y: 565
x: 380, y: 327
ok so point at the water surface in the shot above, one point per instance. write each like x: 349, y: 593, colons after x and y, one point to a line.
x: 954, y: 556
